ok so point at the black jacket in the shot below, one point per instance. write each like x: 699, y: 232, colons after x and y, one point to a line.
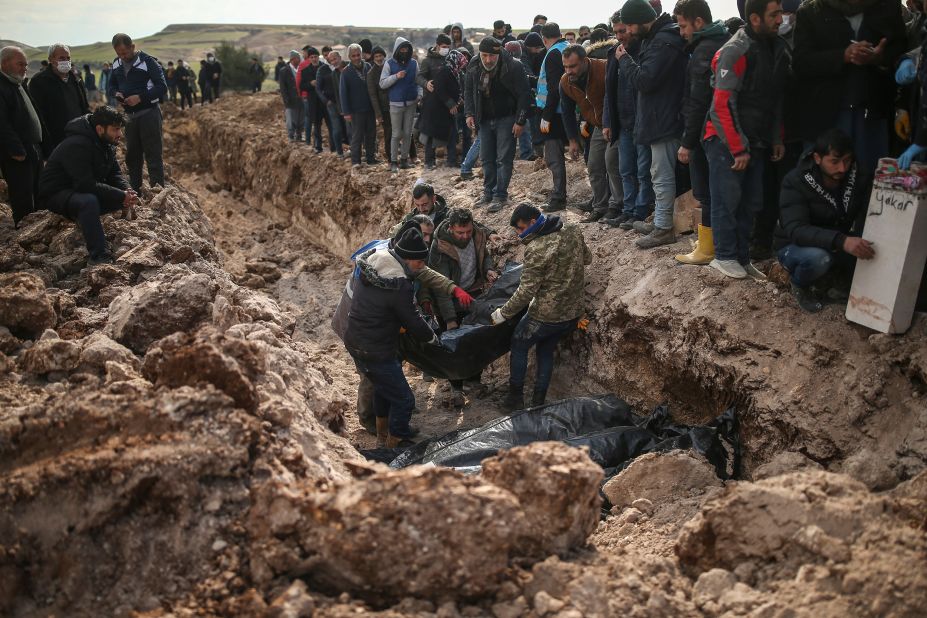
x: 827, y: 83
x: 698, y: 91
x: 287, y: 81
x: 324, y: 84
x: 383, y: 303
x: 82, y: 163
x: 510, y: 76
x: 47, y: 90
x: 277, y: 68
x: 659, y: 77
x: 436, y: 120
x: 14, y: 120
x: 809, y: 216
x: 429, y: 67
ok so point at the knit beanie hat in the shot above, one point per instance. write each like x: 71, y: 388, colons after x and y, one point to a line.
x: 637, y: 12
x: 411, y: 245
x: 514, y: 48
x: 366, y: 45
x: 443, y: 39
x: 377, y: 50
x: 491, y: 45
x: 295, y: 54
x: 498, y: 24
x: 534, y: 40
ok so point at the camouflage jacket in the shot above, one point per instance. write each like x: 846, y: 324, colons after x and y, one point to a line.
x: 552, y: 280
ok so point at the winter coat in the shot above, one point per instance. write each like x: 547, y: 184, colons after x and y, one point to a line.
x: 82, y: 163
x: 436, y: 120
x: 553, y: 278
x: 445, y: 259
x: 288, y: 92
x: 257, y: 72
x: 509, y: 76
x: 379, y: 98
x: 620, y: 95
x: 336, y: 87
x: 590, y: 97
x: 599, y: 51
x: 698, y: 90
x: 277, y: 68
x: 402, y: 91
x: 659, y: 76
x: 184, y: 78
x: 48, y: 91
x: 214, y: 68
x: 547, y: 95
x: 325, y: 85
x: 809, y: 216
x: 749, y: 77
x: 15, y: 121
x: 383, y: 303
x: 464, y: 42
x: 145, y: 79
x: 429, y: 67
x: 353, y: 84
x: 828, y: 84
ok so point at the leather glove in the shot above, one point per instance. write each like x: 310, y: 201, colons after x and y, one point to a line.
x: 904, y: 161
x: 906, y: 73
x: 496, y: 317
x: 462, y: 297
x: 545, y: 126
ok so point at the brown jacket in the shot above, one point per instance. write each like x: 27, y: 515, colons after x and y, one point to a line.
x: 591, y: 101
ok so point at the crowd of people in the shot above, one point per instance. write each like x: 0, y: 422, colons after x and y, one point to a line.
x: 776, y: 119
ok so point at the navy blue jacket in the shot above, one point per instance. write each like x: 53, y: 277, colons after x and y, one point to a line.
x: 620, y: 95
x: 354, y: 96
x: 145, y: 79
x: 660, y: 79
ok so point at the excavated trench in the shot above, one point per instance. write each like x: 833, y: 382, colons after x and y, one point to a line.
x: 830, y: 392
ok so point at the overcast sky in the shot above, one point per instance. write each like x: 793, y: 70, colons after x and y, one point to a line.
x: 88, y: 21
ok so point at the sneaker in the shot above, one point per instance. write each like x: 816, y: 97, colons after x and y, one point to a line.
x: 497, y: 204
x: 355, y: 165
x: 731, y: 268
x: 394, y: 167
x: 554, y: 205
x: 593, y: 217
x: 806, y: 299
x: 656, y: 238
x: 585, y: 206
x: 643, y: 227
x: 483, y: 201
x: 628, y: 224
x: 754, y: 273
x: 466, y: 175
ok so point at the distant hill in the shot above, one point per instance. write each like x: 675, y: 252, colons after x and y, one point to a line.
x: 26, y: 48
x: 192, y: 41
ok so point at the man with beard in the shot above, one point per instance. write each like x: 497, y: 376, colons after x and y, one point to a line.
x: 355, y: 105
x: 458, y: 39
x: 379, y: 98
x: 82, y: 180
x: 744, y: 128
x: 823, y: 205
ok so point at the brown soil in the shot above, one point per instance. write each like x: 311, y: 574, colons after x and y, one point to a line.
x: 213, y: 470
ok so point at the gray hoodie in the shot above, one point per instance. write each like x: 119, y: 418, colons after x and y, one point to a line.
x: 463, y: 38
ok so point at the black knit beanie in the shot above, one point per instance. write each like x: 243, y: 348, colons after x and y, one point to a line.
x: 490, y: 45
x: 411, y: 246
x: 366, y: 45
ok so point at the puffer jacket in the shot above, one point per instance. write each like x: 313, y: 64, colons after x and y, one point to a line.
x: 698, y: 91
x: 383, y: 303
x: 445, y: 259
x: 553, y: 278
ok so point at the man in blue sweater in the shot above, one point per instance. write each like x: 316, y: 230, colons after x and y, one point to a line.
x: 137, y: 83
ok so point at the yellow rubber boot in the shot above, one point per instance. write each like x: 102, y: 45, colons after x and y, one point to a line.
x: 704, y: 250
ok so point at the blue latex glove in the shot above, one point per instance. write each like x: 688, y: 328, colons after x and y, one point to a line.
x: 906, y: 72
x: 904, y: 161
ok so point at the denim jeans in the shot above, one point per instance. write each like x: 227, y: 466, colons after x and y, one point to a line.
x: 392, y: 396
x: 471, y: 156
x: 294, y: 123
x: 701, y: 188
x: 525, y: 142
x: 663, y: 173
x: 334, y: 129
x: 545, y: 335
x: 402, y: 119
x: 805, y: 264
x: 735, y: 198
x: 634, y: 164
x: 497, y: 151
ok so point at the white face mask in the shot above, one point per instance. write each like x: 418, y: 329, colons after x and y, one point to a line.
x: 63, y: 66
x: 444, y: 50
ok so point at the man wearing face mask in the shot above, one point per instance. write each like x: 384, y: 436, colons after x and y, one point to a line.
x: 82, y: 179
x: 21, y: 134
x: 138, y: 84
x: 214, y: 69
x: 59, y: 95
x: 398, y: 79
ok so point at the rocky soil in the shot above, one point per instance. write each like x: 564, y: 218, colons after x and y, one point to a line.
x: 178, y: 436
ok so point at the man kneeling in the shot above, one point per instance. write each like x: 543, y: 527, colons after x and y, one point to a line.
x: 552, y: 286
x: 82, y: 180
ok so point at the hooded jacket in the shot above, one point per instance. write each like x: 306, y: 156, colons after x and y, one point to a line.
x: 383, y: 303
x: 82, y: 163
x: 509, y: 76
x: 553, y: 279
x: 810, y: 216
x: 659, y: 77
x: 402, y: 91
x: 445, y: 259
x: 48, y: 92
x: 463, y: 38
x: 145, y: 79
x: 698, y: 91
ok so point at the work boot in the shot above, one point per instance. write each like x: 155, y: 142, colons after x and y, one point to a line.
x: 466, y: 175
x: 497, y: 204
x: 382, y: 431
x: 628, y: 224
x: 617, y: 221
x: 483, y: 201
x: 643, y: 227
x: 555, y: 204
x: 806, y: 300
x: 594, y: 216
x: 730, y: 268
x: 394, y: 167
x: 754, y: 273
x: 656, y: 238
x: 538, y: 398
x: 515, y: 400
x: 704, y: 250
x: 585, y: 206
x: 611, y: 213
x: 405, y: 165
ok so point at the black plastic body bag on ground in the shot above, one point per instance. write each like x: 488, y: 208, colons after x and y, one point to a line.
x: 467, y: 350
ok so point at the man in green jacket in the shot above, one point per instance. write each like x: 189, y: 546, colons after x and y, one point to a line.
x: 552, y: 287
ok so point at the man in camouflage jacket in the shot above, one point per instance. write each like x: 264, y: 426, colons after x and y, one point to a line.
x: 552, y: 286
